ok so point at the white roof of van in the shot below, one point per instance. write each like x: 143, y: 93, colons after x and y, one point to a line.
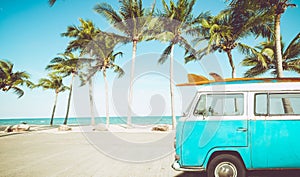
x: 287, y: 86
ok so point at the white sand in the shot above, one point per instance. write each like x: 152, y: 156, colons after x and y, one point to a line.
x: 119, y: 152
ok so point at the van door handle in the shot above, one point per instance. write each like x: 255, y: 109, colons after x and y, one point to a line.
x: 240, y: 129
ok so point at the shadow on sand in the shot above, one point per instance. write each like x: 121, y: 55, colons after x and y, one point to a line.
x: 262, y: 173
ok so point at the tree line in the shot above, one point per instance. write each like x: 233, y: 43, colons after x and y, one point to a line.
x: 172, y: 23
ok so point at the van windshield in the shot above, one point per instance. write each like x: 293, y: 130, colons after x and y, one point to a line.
x: 187, y: 110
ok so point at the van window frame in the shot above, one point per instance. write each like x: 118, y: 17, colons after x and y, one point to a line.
x: 242, y: 94
x: 269, y: 105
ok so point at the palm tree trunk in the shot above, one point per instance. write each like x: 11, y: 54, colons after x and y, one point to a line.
x: 54, y: 107
x: 230, y: 58
x: 69, y: 100
x: 134, y: 46
x: 287, y: 106
x: 278, y: 54
x: 106, y: 99
x: 278, y: 59
x: 171, y: 87
x: 91, y: 101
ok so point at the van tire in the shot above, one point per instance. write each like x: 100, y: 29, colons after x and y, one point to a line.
x: 232, y: 164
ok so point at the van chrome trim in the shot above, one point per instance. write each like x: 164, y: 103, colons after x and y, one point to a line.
x: 177, y: 167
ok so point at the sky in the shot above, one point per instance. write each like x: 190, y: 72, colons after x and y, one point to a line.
x: 30, y: 37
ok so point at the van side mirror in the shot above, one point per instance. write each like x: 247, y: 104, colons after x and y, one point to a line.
x: 203, y: 112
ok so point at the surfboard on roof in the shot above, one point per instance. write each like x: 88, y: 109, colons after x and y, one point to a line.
x: 194, y: 80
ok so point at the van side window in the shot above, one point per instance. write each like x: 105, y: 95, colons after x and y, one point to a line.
x: 220, y: 105
x: 277, y: 104
x: 225, y: 105
x: 281, y: 104
x: 261, y: 104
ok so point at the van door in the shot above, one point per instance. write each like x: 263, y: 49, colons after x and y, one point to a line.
x: 280, y: 144
x: 219, y: 121
x: 227, y: 113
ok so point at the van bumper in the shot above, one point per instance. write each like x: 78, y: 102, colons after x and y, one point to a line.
x: 176, y: 166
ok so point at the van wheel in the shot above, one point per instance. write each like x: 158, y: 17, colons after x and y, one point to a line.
x: 226, y: 165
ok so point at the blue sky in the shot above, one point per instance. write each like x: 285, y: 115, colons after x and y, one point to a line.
x: 30, y: 37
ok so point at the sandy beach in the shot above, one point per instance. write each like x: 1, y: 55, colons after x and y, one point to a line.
x: 118, y: 153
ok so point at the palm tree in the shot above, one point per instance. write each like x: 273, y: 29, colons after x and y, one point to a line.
x: 274, y: 8
x: 55, y: 83
x: 102, y: 64
x: 227, y: 28
x: 132, y: 21
x: 10, y: 80
x: 66, y: 64
x: 101, y: 49
x: 262, y: 58
x: 99, y: 45
x: 177, y: 21
x: 83, y: 35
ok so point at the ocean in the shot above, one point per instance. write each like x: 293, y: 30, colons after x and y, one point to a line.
x: 147, y: 120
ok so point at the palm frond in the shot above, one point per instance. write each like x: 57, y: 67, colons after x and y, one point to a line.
x: 111, y: 15
x: 18, y: 91
x: 108, y: 12
x: 165, y: 54
x: 189, y: 58
x: 293, y: 49
x: 72, y: 31
x: 255, y: 71
x: 246, y: 49
x: 189, y: 49
x: 294, y: 65
x: 249, y: 61
x: 119, y: 70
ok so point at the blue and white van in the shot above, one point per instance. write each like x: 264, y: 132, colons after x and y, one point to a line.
x: 233, y: 127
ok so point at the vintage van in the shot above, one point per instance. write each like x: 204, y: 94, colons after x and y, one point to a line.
x: 232, y: 126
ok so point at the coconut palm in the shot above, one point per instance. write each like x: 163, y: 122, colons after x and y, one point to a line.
x: 177, y: 22
x: 101, y: 49
x: 83, y: 35
x: 103, y: 63
x: 224, y: 31
x: 55, y: 83
x: 274, y: 8
x: 10, y: 80
x: 262, y: 58
x: 133, y: 22
x: 99, y: 45
x: 66, y: 64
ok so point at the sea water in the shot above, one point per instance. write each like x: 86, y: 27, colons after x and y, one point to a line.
x: 147, y: 120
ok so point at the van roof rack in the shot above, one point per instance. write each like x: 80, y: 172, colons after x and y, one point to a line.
x: 194, y: 80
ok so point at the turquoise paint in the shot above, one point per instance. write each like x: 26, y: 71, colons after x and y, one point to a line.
x: 198, y: 138
x: 266, y: 144
x: 275, y: 143
x: 243, y: 151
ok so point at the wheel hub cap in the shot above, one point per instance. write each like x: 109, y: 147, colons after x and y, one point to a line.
x: 225, y: 169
